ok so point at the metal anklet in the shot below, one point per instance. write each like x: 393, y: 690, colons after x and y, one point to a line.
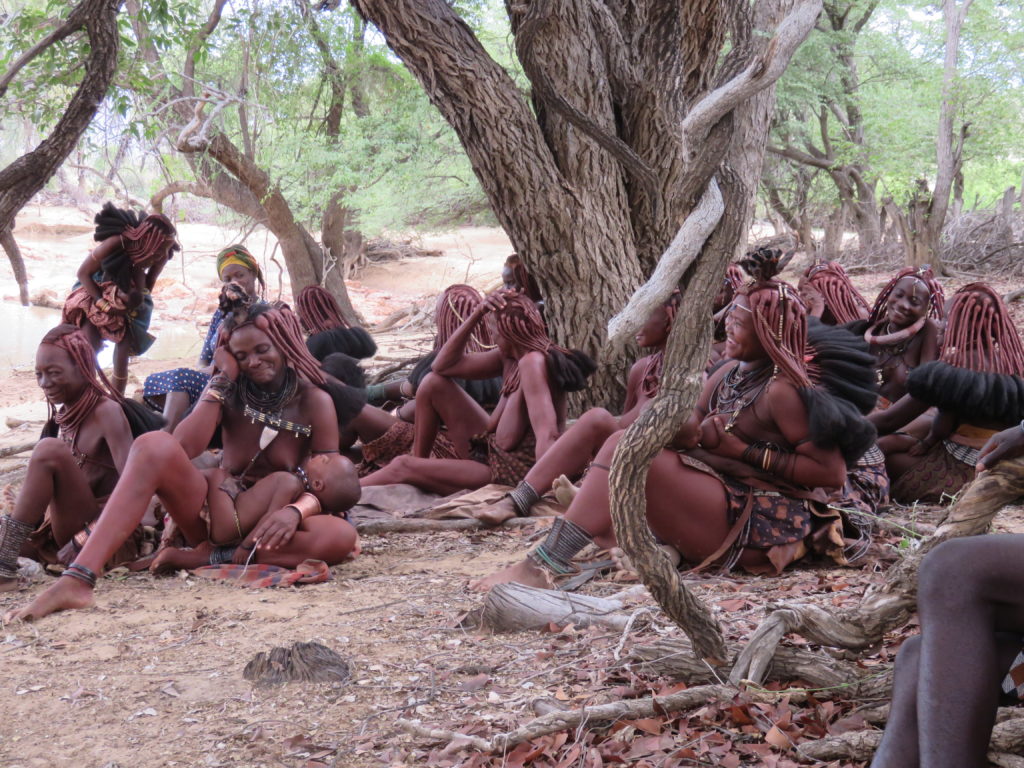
x: 563, y: 541
x: 221, y: 555
x: 12, y: 535
x: 80, y: 572
x: 523, y: 496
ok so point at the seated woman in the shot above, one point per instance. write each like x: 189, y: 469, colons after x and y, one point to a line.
x: 573, y: 451
x: 515, y: 277
x: 974, y: 385
x: 174, y: 392
x: 740, y: 484
x: 830, y: 296
x: 265, y: 378
x: 454, y: 305
x: 327, y: 330
x: 529, y: 417
x: 903, y: 329
x: 76, y: 464
x: 112, y: 299
x: 732, y: 282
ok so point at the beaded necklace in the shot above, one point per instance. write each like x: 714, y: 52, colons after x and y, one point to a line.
x: 265, y: 407
x: 738, y: 390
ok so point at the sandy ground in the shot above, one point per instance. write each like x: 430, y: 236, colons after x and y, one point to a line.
x: 152, y: 676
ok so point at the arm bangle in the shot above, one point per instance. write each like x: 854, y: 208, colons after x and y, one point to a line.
x: 306, y: 505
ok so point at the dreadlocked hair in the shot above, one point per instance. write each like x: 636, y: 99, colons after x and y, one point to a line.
x: 519, y: 322
x: 345, y: 369
x: 321, y: 317
x: 284, y: 331
x: 522, y: 280
x: 980, y: 335
x: 936, y: 296
x: 834, y: 409
x: 318, y: 310
x: 842, y: 300
x: 69, y: 418
x: 328, y: 331
x: 142, y: 238
x: 454, y: 305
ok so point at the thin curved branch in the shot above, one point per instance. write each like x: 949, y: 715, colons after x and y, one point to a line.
x: 74, y: 22
x: 670, y: 269
x: 762, y: 72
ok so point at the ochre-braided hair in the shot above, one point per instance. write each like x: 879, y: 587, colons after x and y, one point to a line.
x: 924, y: 275
x: 841, y: 298
x: 282, y: 328
x: 519, y: 322
x: 781, y: 325
x: 75, y: 343
x: 318, y: 310
x: 780, y: 319
x: 454, y: 305
x: 980, y: 335
x: 650, y: 382
x: 522, y: 280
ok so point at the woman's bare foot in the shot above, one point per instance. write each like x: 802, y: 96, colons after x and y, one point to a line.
x: 524, y: 572
x: 496, y: 513
x: 564, y: 490
x: 171, y: 559
x: 65, y: 595
x: 624, y: 564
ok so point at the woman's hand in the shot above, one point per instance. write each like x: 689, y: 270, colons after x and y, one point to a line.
x: 1002, y: 446
x: 276, y: 529
x: 715, y: 438
x: 496, y: 300
x: 225, y: 362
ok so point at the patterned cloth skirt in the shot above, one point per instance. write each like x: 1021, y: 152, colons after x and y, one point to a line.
x: 397, y: 441
x: 185, y: 380
x: 507, y: 467
x: 938, y: 475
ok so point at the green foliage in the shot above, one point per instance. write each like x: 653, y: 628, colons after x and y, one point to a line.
x: 892, y: 78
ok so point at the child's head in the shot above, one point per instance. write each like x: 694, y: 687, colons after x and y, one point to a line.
x: 330, y: 477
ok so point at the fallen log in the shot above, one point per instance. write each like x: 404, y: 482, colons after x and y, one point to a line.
x: 14, y: 450
x: 515, y: 608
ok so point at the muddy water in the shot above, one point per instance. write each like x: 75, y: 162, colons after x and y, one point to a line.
x: 23, y: 327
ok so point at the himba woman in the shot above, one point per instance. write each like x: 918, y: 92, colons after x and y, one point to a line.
x: 265, y: 378
x: 768, y: 440
x: 501, y: 447
x: 975, y: 385
x: 732, y: 282
x: 328, y: 331
x: 113, y: 298
x: 573, y: 451
x: 515, y: 277
x: 173, y: 392
x: 453, y: 306
x: 76, y: 464
x: 830, y: 296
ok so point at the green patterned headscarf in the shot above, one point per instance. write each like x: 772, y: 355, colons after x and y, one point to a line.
x: 239, y: 254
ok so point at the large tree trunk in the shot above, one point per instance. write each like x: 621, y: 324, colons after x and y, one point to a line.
x: 594, y: 180
x: 20, y: 180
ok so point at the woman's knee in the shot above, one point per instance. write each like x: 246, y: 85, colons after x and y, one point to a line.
x: 155, y: 447
x: 50, y: 452
x: 431, y: 384
x: 608, y: 446
x: 948, y: 569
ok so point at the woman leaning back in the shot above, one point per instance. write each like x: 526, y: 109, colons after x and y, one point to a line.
x: 747, y: 461
x: 265, y: 377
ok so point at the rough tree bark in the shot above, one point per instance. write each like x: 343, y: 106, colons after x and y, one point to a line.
x: 20, y: 180
x: 738, y: 176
